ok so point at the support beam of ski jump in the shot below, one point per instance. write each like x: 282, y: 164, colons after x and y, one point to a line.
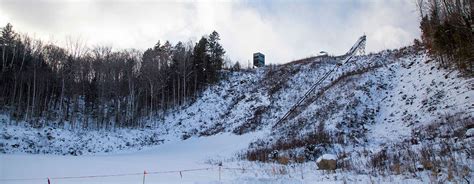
x: 358, y: 47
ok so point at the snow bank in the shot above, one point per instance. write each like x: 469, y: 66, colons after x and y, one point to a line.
x: 327, y: 157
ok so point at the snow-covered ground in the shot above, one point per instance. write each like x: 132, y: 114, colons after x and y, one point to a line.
x: 190, y: 154
x: 164, y: 162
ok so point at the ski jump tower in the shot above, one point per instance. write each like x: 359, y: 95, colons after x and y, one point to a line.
x: 358, y: 48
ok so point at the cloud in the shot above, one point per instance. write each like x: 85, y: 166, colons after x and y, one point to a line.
x: 282, y: 30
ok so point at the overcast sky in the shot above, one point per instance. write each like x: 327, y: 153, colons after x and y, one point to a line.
x: 282, y: 30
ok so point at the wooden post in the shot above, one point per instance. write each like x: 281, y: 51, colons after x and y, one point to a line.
x: 220, y: 173
x: 302, y: 174
x: 273, y: 170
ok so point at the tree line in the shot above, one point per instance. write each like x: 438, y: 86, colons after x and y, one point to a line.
x: 448, y: 31
x: 99, y: 88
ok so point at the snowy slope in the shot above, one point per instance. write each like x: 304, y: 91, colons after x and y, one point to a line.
x: 399, y: 91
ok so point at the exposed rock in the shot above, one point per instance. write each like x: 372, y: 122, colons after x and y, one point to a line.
x: 327, y: 162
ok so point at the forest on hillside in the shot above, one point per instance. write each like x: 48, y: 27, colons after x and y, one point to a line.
x: 101, y: 88
x: 447, y: 28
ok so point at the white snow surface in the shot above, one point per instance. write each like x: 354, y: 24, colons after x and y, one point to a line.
x: 327, y: 157
x: 470, y: 132
x: 174, y: 156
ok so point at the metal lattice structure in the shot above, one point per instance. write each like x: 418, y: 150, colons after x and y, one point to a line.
x: 357, y: 48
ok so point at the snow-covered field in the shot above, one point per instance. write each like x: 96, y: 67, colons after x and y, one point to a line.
x: 193, y: 153
x: 164, y: 163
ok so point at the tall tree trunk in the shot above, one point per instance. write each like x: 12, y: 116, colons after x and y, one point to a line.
x: 151, y: 100
x: 19, y: 109
x: 471, y: 7
x: 195, y: 85
x: 13, y: 57
x: 61, y: 98
x: 34, y: 93
x: 28, y: 101
x: 13, y: 96
x: 3, y: 58
x: 178, y: 90
x: 174, y: 93
x: 163, y: 103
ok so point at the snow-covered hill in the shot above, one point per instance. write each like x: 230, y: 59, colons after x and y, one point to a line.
x: 393, y: 112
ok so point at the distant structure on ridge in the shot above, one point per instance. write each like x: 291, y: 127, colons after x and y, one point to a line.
x: 258, y: 59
